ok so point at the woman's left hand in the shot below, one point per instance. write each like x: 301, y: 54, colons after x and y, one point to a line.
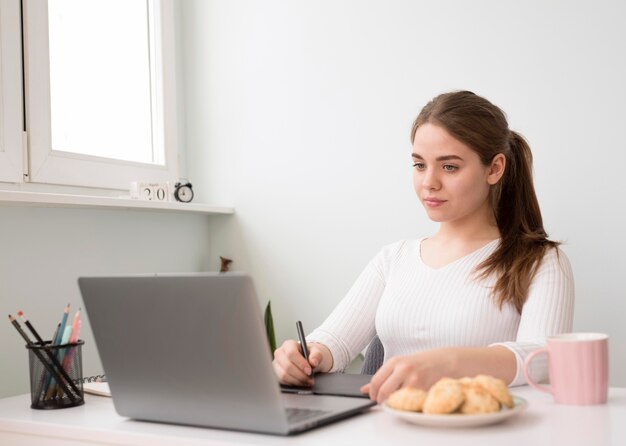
x: 420, y: 370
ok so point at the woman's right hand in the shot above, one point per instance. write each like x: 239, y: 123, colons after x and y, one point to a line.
x: 291, y: 367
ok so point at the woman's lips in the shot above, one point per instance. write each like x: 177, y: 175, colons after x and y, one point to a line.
x: 433, y: 202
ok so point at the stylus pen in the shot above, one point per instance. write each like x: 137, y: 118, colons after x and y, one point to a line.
x: 305, y: 350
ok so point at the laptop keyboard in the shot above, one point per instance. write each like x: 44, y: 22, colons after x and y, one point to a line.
x: 296, y: 414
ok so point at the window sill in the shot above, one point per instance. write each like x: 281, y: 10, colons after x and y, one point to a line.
x: 19, y: 198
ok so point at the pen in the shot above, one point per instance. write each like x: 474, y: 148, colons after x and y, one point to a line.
x: 305, y: 349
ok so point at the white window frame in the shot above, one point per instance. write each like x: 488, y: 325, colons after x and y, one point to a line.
x: 11, y: 111
x: 64, y: 168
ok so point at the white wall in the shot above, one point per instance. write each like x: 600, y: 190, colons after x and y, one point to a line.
x: 43, y: 251
x: 298, y: 114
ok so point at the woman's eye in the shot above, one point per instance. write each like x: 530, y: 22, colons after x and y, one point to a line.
x: 419, y: 166
x: 449, y: 168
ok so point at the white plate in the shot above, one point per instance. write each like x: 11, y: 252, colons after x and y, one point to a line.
x: 459, y: 420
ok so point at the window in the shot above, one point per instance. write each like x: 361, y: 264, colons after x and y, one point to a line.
x: 99, y: 92
x: 11, y: 111
x: 114, y: 68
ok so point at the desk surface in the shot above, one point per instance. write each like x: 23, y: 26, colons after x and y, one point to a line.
x: 543, y: 422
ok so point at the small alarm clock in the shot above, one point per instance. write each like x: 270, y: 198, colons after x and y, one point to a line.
x: 183, y: 191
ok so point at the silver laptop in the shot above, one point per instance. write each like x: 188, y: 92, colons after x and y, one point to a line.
x: 191, y: 349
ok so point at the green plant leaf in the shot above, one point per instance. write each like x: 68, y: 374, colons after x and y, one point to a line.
x: 269, y: 326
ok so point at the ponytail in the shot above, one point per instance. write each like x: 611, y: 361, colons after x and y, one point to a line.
x: 523, y: 238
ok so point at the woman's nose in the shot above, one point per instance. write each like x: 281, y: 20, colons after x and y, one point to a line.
x: 430, y: 180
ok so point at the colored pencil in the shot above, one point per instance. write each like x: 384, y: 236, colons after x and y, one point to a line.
x: 59, y: 336
x: 52, y: 390
x: 57, y: 341
x: 67, y: 360
x: 30, y: 327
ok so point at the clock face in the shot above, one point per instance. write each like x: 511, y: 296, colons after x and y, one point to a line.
x: 184, y: 193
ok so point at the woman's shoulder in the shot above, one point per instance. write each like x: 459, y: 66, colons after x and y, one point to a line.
x: 399, y: 249
x: 403, y: 245
x: 395, y: 255
x: 555, y: 261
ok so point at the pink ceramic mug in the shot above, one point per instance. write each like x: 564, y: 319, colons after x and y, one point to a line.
x: 578, y: 365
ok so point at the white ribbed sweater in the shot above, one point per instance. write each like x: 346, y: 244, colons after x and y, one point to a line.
x: 413, y: 307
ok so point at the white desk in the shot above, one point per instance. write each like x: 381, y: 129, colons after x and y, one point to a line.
x: 96, y: 423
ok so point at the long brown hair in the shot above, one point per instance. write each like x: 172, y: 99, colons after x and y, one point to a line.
x: 483, y: 127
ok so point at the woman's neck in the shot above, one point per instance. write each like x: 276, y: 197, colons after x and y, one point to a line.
x: 452, y: 234
x: 481, y: 227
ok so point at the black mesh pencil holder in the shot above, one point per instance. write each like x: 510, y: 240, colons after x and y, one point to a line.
x: 56, y: 374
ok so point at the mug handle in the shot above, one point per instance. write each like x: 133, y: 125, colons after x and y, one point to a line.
x: 547, y: 389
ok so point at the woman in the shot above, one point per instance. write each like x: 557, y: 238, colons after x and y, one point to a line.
x: 476, y: 297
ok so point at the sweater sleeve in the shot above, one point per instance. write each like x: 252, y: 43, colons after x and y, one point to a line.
x: 548, y: 310
x: 351, y: 325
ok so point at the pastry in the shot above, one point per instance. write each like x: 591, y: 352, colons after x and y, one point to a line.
x: 478, y: 400
x: 497, y: 388
x: 407, y: 398
x: 445, y: 396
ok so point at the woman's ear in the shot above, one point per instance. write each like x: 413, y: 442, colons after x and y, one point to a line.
x: 496, y: 169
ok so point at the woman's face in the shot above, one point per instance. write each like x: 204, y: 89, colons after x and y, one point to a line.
x: 449, y: 178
